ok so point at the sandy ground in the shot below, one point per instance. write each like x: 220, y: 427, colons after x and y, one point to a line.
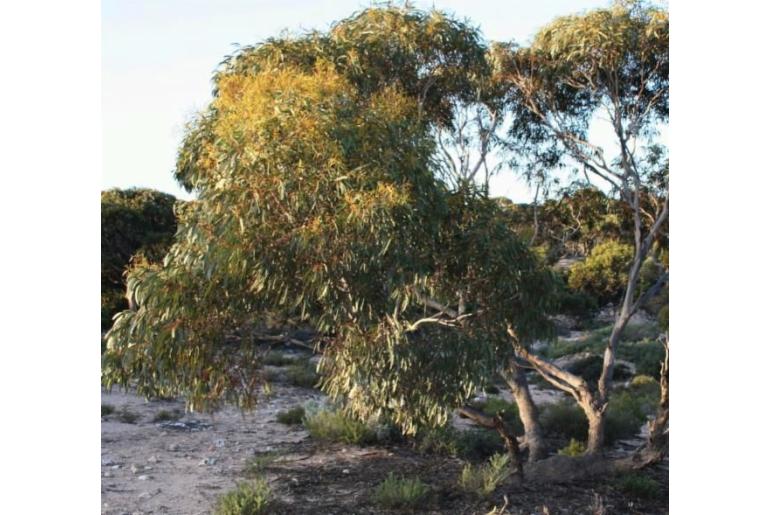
x: 149, y: 467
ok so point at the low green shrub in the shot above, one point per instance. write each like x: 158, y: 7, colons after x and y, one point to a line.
x: 638, y: 485
x: 483, y: 480
x: 564, y: 418
x: 292, y: 416
x: 302, y: 374
x: 165, y: 415
x: 507, y: 410
x: 278, y: 359
x: 396, y: 492
x: 107, y: 409
x: 437, y: 440
x: 646, y: 354
x: 251, y: 498
x: 335, y: 426
x: 471, y: 444
x: 626, y: 412
x: 256, y: 465
x: 574, y: 448
x: 127, y: 416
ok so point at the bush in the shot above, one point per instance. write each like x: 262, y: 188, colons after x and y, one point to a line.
x: 278, y: 359
x: 604, y: 273
x: 127, y: 416
x: 400, y: 492
x: 484, y: 480
x: 564, y: 418
x: 646, y: 355
x: 626, y: 413
x: 335, y: 426
x: 291, y: 417
x: 133, y: 221
x: 574, y: 448
x: 508, y: 411
x: 302, y: 374
x: 165, y: 415
x: 257, y: 464
x: 638, y: 485
x: 250, y: 498
x: 472, y: 444
x: 491, y: 389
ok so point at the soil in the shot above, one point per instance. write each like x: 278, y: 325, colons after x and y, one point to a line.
x: 181, y: 467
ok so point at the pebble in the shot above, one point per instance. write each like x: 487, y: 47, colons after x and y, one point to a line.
x: 134, y: 469
x: 173, y: 447
x: 207, y: 461
x: 153, y: 459
x: 107, y: 474
x: 143, y: 477
x: 115, y: 467
x: 219, y: 443
x: 346, y: 471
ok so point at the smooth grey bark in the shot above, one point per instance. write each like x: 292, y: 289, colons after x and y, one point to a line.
x: 516, y: 379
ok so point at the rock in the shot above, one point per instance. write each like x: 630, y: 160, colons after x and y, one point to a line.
x: 143, y: 477
x: 174, y: 447
x: 115, y: 467
x: 107, y: 474
x: 152, y: 459
x: 346, y: 471
x: 145, y: 495
x: 134, y: 469
x: 106, y: 462
x: 219, y: 443
x: 207, y: 461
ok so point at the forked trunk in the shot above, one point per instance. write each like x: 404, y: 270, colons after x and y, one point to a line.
x: 596, y: 422
x: 528, y: 413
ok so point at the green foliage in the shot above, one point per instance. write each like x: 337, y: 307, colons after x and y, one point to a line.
x: 396, y: 492
x: 646, y: 354
x: 107, y: 409
x: 574, y: 448
x: 638, y: 485
x: 627, y: 411
x: 165, y: 415
x: 250, y: 498
x: 604, y: 273
x: 507, y: 410
x: 318, y: 203
x: 336, y: 426
x: 278, y: 359
x: 127, y: 416
x: 564, y: 418
x: 134, y: 221
x: 491, y: 389
x: 293, y: 416
x: 256, y: 465
x: 302, y: 374
x: 471, y: 444
x: 483, y: 480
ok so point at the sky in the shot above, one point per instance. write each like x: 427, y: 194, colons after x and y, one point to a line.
x: 158, y: 58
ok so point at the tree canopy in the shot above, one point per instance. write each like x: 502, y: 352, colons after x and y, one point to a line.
x: 318, y: 202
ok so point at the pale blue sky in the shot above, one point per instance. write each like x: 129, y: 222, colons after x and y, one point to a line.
x: 158, y: 57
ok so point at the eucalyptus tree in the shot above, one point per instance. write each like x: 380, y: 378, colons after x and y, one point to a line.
x: 318, y: 202
x: 608, y: 62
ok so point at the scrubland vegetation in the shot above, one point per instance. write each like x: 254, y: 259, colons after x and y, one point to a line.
x: 342, y: 190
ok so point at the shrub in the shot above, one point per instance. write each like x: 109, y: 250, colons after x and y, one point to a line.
x: 508, y: 411
x: 127, y: 416
x: 646, y: 355
x: 335, y: 426
x: 626, y: 413
x: 107, y: 409
x: 250, y: 498
x: 484, y: 479
x: 292, y: 416
x: 564, y: 418
x: 638, y: 485
x: 133, y: 221
x: 302, y: 374
x: 438, y: 440
x: 256, y: 465
x: 400, y: 492
x: 278, y: 359
x: 478, y: 444
x: 574, y: 448
x: 604, y: 273
x: 164, y: 415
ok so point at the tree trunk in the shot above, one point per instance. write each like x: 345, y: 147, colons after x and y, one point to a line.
x: 596, y: 422
x: 528, y: 413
